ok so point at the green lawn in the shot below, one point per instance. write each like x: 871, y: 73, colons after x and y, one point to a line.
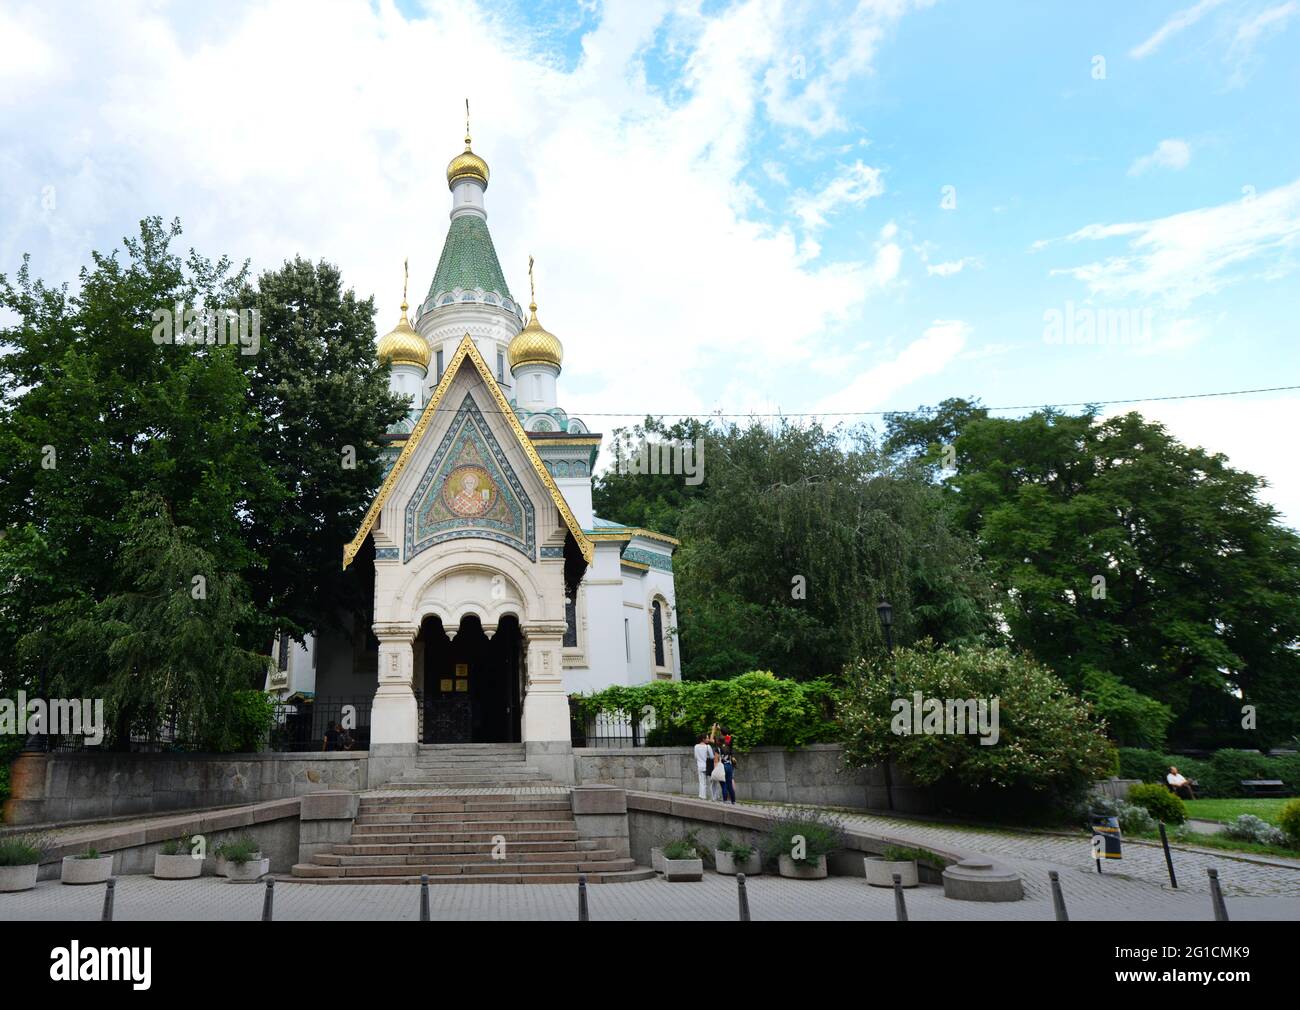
x: 1268, y: 808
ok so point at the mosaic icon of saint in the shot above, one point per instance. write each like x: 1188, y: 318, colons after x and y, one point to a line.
x: 471, y: 500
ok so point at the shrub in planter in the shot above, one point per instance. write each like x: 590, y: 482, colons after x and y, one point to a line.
x: 1289, y: 820
x: 880, y: 869
x: 242, y: 843
x: 244, y: 860
x: 1159, y: 802
x: 175, y: 860
x: 87, y: 867
x: 20, y: 862
x: 800, y: 840
x: 1249, y: 828
x: 682, y: 861
x: 732, y: 858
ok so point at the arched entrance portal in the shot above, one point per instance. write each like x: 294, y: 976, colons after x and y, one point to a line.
x: 472, y: 682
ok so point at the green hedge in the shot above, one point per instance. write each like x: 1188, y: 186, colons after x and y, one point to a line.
x: 758, y: 708
x: 1215, y: 777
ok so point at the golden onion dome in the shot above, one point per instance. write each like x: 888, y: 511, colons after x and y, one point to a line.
x: 535, y: 345
x: 403, y: 346
x: 466, y: 165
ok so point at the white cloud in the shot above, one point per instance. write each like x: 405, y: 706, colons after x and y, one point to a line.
x: 932, y: 352
x: 1253, y: 433
x: 951, y: 267
x: 1174, y: 154
x: 1182, y: 19
x: 854, y: 186
x: 1184, y: 256
x: 651, y: 267
x: 1241, y: 53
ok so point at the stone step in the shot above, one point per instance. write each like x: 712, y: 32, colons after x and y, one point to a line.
x: 464, y: 816
x: 309, y: 873
x: 492, y: 867
x: 458, y: 804
x: 471, y: 748
x: 520, y: 829
x: 475, y: 771
x: 512, y: 835
x: 451, y: 848
x: 444, y: 784
x: 512, y: 856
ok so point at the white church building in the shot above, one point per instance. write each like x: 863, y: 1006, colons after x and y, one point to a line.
x: 497, y: 591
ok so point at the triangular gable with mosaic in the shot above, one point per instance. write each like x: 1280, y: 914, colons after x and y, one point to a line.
x: 468, y: 488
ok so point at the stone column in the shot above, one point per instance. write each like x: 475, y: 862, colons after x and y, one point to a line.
x: 546, y: 734
x: 394, y: 718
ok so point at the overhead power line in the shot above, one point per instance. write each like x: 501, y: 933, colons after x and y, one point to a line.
x: 924, y: 412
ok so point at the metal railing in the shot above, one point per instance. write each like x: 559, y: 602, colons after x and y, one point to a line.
x: 609, y: 729
x: 303, y: 725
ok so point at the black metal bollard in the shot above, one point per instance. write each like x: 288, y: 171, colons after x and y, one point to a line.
x: 268, y: 901
x: 1058, y: 899
x: 583, y: 914
x: 424, y: 897
x: 743, y: 896
x: 109, y: 889
x: 900, y: 906
x: 1216, y: 896
x: 1169, y: 859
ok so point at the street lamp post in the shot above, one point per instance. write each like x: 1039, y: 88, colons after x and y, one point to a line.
x: 886, y: 613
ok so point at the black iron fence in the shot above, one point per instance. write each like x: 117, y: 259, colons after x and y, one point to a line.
x: 609, y: 729
x: 305, y: 725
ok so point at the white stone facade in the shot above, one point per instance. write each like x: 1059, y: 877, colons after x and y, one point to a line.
x: 439, y: 572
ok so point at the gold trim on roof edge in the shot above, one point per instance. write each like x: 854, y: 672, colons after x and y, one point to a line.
x: 633, y: 531
x: 466, y: 347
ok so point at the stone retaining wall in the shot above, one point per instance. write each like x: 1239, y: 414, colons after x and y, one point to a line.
x: 80, y: 786
x: 811, y: 774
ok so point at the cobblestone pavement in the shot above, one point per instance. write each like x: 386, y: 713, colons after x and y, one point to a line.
x: 1140, y: 874
x: 713, y: 899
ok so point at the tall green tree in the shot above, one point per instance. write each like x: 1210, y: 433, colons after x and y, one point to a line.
x: 800, y: 532
x: 1123, y: 553
x: 654, y: 501
x: 324, y: 406
x: 93, y: 409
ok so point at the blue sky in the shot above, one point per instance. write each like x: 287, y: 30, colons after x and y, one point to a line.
x: 735, y: 206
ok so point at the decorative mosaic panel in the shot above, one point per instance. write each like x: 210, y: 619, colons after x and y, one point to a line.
x: 551, y: 553
x: 663, y: 562
x: 470, y: 490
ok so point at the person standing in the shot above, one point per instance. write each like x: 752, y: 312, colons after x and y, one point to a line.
x: 728, y: 754
x: 703, y: 761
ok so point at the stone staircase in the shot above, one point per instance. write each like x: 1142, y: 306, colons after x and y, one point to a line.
x: 468, y: 814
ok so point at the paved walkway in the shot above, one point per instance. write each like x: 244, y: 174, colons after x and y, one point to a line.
x: 713, y: 899
x: 1141, y: 874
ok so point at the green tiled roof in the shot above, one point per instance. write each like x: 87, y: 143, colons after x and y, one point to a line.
x: 469, y: 260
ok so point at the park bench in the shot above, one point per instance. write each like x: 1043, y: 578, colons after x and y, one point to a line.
x: 1264, y: 787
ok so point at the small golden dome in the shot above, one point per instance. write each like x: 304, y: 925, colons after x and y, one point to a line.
x: 534, y: 345
x: 404, y: 346
x: 466, y: 165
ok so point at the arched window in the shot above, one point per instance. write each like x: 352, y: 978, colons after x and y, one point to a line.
x: 657, y: 618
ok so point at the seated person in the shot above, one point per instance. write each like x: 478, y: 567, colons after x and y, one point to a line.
x: 1179, y: 785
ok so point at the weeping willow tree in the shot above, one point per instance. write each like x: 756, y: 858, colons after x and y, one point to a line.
x: 799, y: 532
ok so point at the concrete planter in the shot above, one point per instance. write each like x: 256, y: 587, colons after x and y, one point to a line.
x: 880, y: 871
x: 249, y: 872
x: 86, y: 871
x: 808, y: 870
x: 728, y: 864
x: 18, y: 878
x: 222, y: 868
x: 683, y: 869
x: 657, y: 859
x: 181, y: 866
